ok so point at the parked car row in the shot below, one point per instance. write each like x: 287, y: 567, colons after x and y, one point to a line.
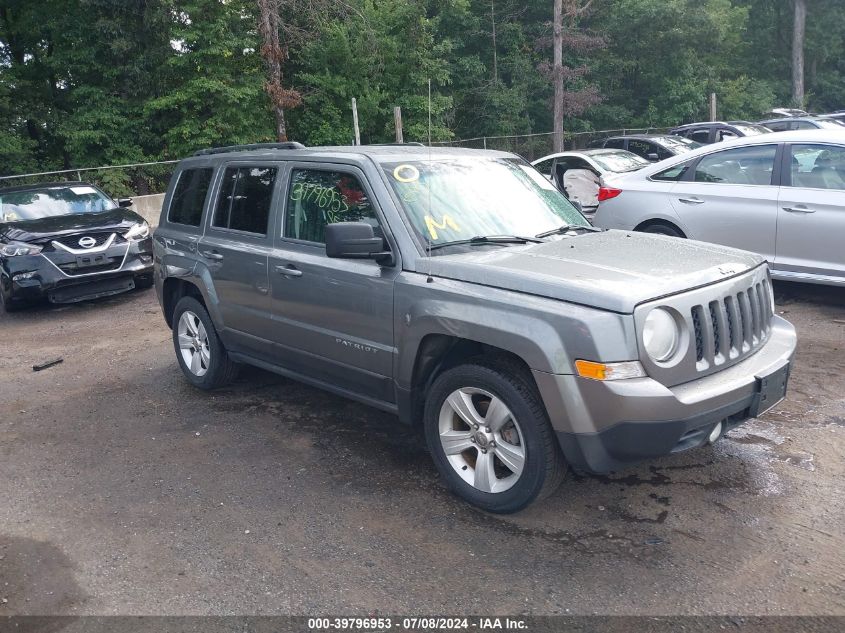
x: 781, y: 195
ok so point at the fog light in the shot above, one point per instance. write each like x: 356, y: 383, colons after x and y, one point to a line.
x: 28, y: 275
x: 716, y: 433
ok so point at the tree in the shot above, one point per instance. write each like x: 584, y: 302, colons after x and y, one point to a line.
x: 574, y: 101
x: 798, y: 29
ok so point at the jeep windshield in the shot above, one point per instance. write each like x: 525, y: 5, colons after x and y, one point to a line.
x: 461, y: 201
x: 34, y: 204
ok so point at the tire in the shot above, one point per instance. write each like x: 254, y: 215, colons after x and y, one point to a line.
x: 523, y: 427
x: 9, y: 304
x: 142, y: 282
x: 662, y: 228
x: 203, y: 350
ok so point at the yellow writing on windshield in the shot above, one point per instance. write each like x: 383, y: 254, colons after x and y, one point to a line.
x: 432, y: 225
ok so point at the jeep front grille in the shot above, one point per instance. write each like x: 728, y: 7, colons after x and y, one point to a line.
x: 732, y: 326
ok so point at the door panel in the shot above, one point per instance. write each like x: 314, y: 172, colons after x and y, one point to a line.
x: 334, y: 317
x: 730, y: 199
x: 811, y: 212
x: 236, y: 253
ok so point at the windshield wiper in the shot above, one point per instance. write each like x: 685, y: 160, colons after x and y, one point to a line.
x: 568, y: 227
x: 489, y: 239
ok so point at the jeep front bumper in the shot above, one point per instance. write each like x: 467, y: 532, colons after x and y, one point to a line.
x: 604, y: 425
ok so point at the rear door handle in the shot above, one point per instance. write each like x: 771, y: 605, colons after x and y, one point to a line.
x: 288, y: 271
x: 691, y: 200
x: 212, y: 255
x: 799, y: 208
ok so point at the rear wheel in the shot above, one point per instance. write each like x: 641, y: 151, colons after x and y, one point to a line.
x: 662, y: 228
x: 490, y: 437
x: 200, y: 353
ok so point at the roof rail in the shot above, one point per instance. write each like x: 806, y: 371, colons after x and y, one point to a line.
x: 406, y: 144
x: 249, y: 147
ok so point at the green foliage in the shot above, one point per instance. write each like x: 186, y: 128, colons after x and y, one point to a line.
x: 98, y: 82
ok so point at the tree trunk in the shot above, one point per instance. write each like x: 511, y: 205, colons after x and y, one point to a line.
x: 273, y: 54
x: 557, y: 73
x: 798, y: 27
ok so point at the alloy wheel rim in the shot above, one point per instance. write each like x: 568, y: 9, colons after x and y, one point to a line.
x: 193, y: 344
x: 482, y: 440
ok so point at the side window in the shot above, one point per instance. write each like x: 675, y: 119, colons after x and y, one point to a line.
x: 673, y: 174
x: 189, y: 196
x: 641, y: 148
x: 740, y: 166
x: 818, y: 166
x: 616, y: 143
x: 545, y: 167
x: 245, y: 198
x: 317, y: 198
x: 701, y: 136
x: 726, y: 135
x: 778, y: 126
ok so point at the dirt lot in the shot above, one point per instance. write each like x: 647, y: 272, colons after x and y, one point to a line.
x: 125, y: 491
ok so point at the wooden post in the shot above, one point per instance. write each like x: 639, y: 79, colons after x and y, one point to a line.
x: 712, y: 106
x: 355, y: 121
x: 397, y: 121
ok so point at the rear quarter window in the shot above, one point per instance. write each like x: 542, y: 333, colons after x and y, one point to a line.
x: 188, y: 199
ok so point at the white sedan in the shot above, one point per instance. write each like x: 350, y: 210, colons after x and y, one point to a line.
x: 578, y: 174
x: 781, y: 195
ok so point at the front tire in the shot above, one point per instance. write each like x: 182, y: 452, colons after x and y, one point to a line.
x: 662, y: 228
x: 200, y: 353
x: 490, y: 437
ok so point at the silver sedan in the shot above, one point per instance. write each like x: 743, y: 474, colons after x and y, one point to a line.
x: 781, y: 195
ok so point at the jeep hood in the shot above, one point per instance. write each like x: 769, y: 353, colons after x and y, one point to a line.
x: 612, y: 270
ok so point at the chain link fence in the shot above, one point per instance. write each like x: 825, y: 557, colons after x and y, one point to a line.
x: 534, y: 146
x: 137, y: 179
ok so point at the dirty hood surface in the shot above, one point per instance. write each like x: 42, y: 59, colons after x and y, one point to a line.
x: 44, y: 229
x: 612, y: 270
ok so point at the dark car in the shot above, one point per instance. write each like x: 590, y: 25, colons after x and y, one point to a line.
x: 716, y: 131
x: 68, y: 242
x: 787, y: 124
x: 653, y: 147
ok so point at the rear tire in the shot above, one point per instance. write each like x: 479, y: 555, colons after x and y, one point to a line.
x: 490, y: 437
x: 662, y: 228
x: 199, y: 351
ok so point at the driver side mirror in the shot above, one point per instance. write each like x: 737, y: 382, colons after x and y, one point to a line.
x: 355, y: 240
x: 124, y: 203
x: 653, y: 157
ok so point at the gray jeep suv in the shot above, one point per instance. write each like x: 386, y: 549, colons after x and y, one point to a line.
x: 460, y: 290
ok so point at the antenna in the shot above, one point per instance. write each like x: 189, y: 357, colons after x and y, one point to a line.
x: 428, y: 183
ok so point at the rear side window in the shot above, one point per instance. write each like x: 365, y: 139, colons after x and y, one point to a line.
x: 702, y: 136
x: 615, y: 143
x: 673, y: 174
x: 317, y: 198
x: 189, y: 196
x: 245, y: 198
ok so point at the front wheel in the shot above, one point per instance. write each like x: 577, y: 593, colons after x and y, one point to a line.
x: 490, y: 437
x: 663, y: 228
x: 201, y: 354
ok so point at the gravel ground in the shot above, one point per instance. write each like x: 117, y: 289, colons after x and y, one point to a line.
x: 125, y: 491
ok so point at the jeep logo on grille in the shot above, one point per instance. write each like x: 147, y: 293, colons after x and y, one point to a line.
x: 87, y: 242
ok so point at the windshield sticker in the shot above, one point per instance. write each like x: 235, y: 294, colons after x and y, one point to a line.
x: 406, y: 173
x: 326, y: 198
x: 83, y: 191
x: 538, y: 178
x: 432, y: 225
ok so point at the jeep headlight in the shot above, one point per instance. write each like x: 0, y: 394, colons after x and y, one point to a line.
x: 660, y: 335
x: 17, y: 249
x: 138, y: 232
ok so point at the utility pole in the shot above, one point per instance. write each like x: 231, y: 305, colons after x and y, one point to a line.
x: 712, y: 106
x: 397, y: 122
x: 557, y: 70
x: 798, y: 29
x: 355, y: 121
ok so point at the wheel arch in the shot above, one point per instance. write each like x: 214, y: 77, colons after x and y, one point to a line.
x: 642, y: 226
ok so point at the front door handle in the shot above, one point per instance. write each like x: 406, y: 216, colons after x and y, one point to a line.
x: 691, y: 200
x: 799, y: 208
x: 288, y: 271
x: 212, y: 255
